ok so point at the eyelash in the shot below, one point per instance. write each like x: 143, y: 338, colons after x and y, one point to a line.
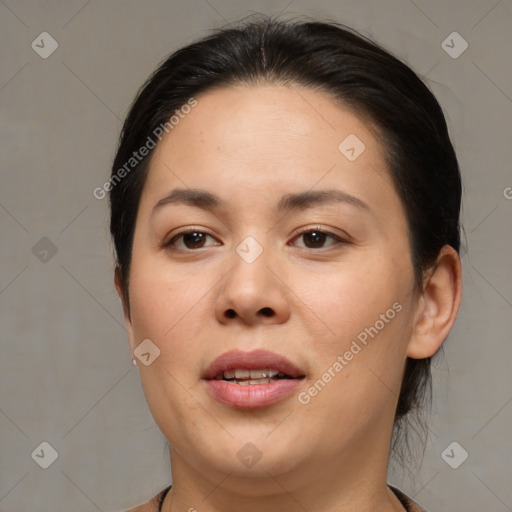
x: 316, y: 229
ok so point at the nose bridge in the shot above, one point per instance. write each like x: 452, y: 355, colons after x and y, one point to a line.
x: 250, y: 275
x: 250, y: 289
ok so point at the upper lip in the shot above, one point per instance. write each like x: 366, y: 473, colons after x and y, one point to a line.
x: 253, y: 360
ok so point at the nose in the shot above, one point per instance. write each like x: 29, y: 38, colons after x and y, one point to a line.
x: 253, y: 292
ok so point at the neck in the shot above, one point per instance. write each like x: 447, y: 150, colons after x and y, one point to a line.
x: 350, y: 482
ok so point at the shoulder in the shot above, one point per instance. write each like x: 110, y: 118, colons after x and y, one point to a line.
x: 408, y: 504
x: 153, y: 505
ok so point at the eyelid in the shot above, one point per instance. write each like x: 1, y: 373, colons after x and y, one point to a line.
x: 345, y: 238
x: 192, y: 229
x: 167, y: 244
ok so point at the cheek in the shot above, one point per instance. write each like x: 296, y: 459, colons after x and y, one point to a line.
x: 364, y: 332
x: 164, y: 300
x: 167, y: 311
x: 167, y: 316
x: 351, y: 297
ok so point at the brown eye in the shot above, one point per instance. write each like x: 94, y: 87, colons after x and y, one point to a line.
x: 316, y: 238
x: 189, y: 240
x: 194, y: 239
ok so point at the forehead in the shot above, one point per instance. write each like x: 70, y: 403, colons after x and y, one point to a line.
x: 267, y: 139
x: 260, y: 118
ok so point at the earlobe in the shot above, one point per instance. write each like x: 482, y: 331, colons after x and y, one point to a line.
x: 437, y: 306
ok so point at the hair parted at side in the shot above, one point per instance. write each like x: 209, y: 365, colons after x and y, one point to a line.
x: 328, y: 57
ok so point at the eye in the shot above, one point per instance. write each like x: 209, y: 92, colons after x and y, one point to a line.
x: 315, y: 238
x: 190, y: 239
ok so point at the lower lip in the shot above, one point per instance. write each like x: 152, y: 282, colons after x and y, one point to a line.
x: 252, y: 396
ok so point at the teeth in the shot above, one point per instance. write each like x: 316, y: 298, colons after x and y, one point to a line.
x: 241, y: 373
x: 230, y: 374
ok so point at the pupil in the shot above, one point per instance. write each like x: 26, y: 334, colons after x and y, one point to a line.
x: 194, y: 238
x: 317, y: 238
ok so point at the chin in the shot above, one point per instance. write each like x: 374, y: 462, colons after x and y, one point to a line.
x: 255, y: 481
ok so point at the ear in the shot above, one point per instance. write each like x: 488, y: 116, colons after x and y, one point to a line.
x: 437, y: 305
x: 123, y: 295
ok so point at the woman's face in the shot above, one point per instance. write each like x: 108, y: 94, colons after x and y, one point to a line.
x: 283, y: 165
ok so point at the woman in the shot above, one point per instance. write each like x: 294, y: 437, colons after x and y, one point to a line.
x: 285, y: 211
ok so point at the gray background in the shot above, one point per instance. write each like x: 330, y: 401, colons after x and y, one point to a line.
x: 65, y: 367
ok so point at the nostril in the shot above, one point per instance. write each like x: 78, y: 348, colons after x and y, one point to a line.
x: 268, y: 312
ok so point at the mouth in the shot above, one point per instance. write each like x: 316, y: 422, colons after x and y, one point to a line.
x: 253, y: 379
x: 240, y: 366
x: 245, y: 377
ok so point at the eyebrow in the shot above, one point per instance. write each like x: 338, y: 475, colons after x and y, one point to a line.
x: 296, y: 201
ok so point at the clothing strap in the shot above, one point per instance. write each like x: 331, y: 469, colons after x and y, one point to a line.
x: 404, y: 500
x: 162, y: 497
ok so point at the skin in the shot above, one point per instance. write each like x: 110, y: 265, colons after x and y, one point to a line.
x: 250, y: 145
